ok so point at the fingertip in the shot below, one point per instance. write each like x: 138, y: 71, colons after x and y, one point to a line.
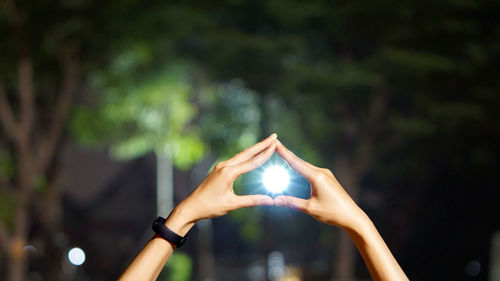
x: 253, y: 200
x: 279, y: 201
x: 279, y: 146
x: 272, y: 146
x: 272, y: 136
x: 266, y: 200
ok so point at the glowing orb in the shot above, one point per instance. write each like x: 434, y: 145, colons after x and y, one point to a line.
x: 76, y: 256
x: 276, y: 179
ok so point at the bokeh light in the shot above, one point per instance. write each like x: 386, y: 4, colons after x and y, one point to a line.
x: 276, y: 179
x: 76, y: 256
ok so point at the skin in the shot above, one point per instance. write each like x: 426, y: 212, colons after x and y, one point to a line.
x: 329, y: 203
x: 214, y: 197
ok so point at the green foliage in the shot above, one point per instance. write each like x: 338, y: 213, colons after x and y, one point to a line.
x: 230, y: 118
x: 249, y: 221
x: 178, y: 268
x: 6, y: 164
x: 287, y: 123
x: 138, y: 116
x: 7, y: 200
x: 7, y: 206
x: 191, y: 78
x: 41, y: 184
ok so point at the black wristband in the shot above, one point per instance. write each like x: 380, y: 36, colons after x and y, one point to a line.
x: 167, y: 234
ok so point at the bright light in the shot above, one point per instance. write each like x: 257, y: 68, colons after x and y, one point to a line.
x: 76, y: 256
x: 276, y: 179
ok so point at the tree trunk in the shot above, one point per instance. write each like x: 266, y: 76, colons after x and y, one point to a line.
x: 206, y: 266
x: 206, y: 259
x: 344, y: 264
x: 17, y: 259
x: 346, y: 258
x: 50, y: 213
x: 349, y: 168
x: 25, y: 176
x: 164, y: 185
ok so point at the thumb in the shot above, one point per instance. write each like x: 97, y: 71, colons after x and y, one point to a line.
x: 291, y: 202
x: 243, y: 201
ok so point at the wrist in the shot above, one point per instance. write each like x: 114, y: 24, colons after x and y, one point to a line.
x: 360, y: 224
x: 180, y: 221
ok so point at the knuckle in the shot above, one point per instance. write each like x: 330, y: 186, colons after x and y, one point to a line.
x: 220, y: 165
x: 309, y: 207
x: 287, y: 201
x: 253, y: 201
x: 319, y: 177
x: 233, y: 201
x: 226, y: 171
x: 314, y: 209
x: 255, y: 161
x: 327, y: 172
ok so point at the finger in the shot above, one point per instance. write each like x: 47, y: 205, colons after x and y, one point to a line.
x: 243, y: 201
x: 256, y: 161
x: 301, y: 166
x: 291, y: 202
x: 251, y: 151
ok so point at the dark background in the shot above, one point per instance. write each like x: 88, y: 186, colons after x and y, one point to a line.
x: 399, y: 99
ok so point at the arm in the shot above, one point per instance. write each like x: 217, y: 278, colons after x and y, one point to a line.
x: 330, y: 204
x: 214, y: 197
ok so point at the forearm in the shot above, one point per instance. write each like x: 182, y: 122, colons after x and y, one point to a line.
x: 148, y: 264
x: 377, y: 256
x: 214, y: 197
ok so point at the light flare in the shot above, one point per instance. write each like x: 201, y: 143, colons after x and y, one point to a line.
x: 276, y: 179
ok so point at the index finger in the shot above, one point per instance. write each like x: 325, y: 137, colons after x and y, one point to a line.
x: 251, y: 151
x: 299, y: 165
x: 256, y: 161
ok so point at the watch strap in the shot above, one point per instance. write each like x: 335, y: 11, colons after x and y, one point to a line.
x: 163, y: 231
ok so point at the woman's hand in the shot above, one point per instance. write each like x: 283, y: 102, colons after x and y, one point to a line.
x: 215, y: 196
x: 212, y: 198
x: 329, y: 203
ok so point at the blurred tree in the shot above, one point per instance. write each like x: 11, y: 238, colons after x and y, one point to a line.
x: 145, y: 104
x: 33, y: 110
x: 374, y: 90
x: 179, y: 268
x: 364, y: 79
x: 51, y: 48
x: 139, y: 115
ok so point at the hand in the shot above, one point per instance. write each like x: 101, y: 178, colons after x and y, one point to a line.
x: 329, y: 203
x: 215, y: 196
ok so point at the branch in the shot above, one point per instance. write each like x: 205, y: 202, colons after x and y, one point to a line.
x: 50, y: 206
x: 25, y: 68
x: 25, y: 86
x: 15, y: 17
x: 4, y: 238
x: 6, y: 116
x: 25, y: 91
x: 68, y: 88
